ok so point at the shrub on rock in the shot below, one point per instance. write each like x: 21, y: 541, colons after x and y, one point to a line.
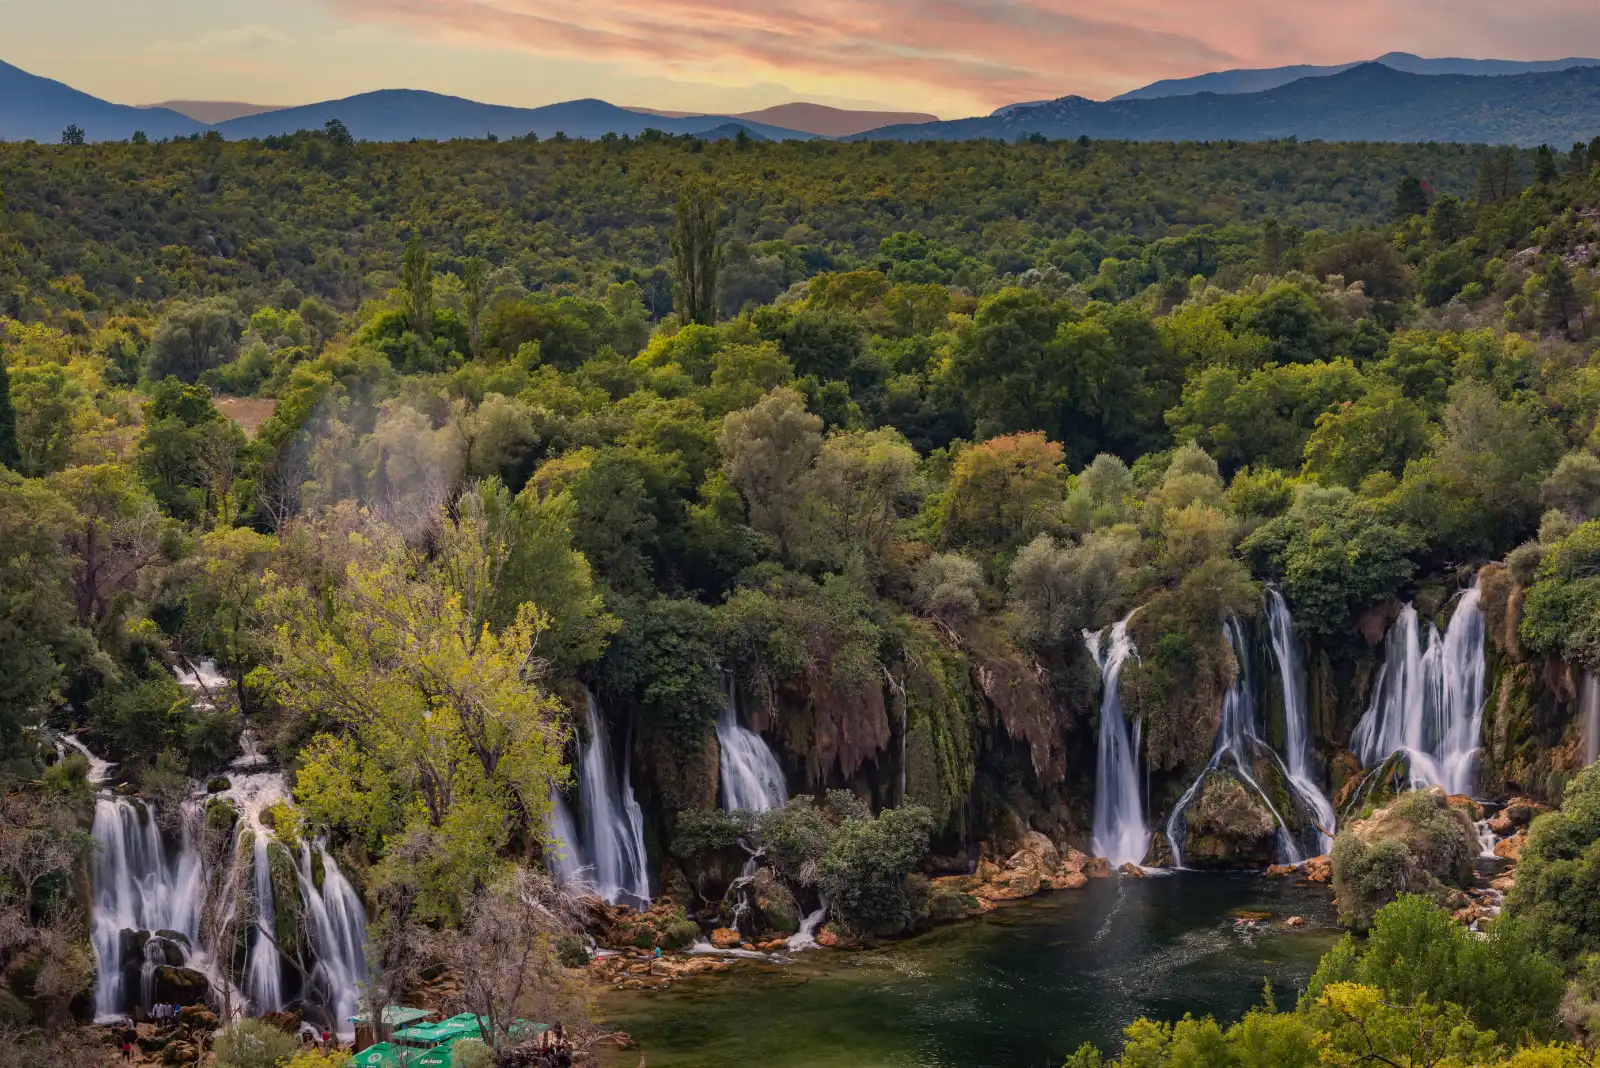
x: 1558, y: 876
x: 1418, y: 845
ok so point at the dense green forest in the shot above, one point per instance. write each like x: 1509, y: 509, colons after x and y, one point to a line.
x: 418, y: 441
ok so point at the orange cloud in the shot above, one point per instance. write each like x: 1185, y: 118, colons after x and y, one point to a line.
x: 983, y: 53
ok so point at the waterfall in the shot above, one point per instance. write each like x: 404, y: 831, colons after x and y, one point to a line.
x: 613, y: 821
x: 1238, y: 742
x: 806, y: 937
x: 751, y: 777
x: 1297, y: 719
x: 136, y: 887
x: 263, y: 972
x: 566, y: 863
x: 1120, y: 832
x: 338, y: 925
x: 1428, y: 700
x: 99, y: 770
x: 1589, y: 709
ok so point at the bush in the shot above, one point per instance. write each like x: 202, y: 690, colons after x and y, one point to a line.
x: 1418, y: 845
x: 1558, y: 878
x: 254, y: 1044
x: 1417, y: 950
x: 863, y: 873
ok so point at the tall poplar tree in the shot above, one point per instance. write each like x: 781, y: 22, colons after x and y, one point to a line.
x: 10, y: 456
x: 696, y: 256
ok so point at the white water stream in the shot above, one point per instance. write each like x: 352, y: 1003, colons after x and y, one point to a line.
x: 751, y: 776
x: 613, y: 823
x: 1428, y: 699
x: 1121, y: 834
x: 1297, y: 719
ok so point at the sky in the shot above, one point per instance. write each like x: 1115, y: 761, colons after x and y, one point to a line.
x: 949, y: 57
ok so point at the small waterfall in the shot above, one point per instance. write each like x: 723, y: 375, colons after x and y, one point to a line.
x: 1297, y: 719
x: 751, y: 777
x: 1589, y: 710
x: 264, y: 971
x: 1238, y: 742
x: 99, y: 770
x: 1428, y: 700
x: 613, y: 821
x: 806, y: 937
x: 136, y: 887
x: 1120, y: 832
x: 338, y: 925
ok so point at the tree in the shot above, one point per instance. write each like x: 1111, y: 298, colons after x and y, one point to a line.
x: 73, y: 135
x: 862, y: 483
x: 193, y: 338
x: 696, y: 256
x: 337, y: 133
x: 119, y: 536
x: 766, y: 450
x: 437, y: 711
x: 1545, y: 170
x: 1410, y: 198
x: 416, y: 288
x: 1379, y: 431
x: 1003, y: 493
x: 475, y: 283
x: 1559, y: 304
x: 1557, y: 894
x: 9, y: 454
x: 1447, y: 222
x: 1497, y: 177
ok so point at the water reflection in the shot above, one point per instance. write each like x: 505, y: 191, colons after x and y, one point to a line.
x: 1023, y: 986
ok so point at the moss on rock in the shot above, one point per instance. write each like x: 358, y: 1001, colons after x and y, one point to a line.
x: 1419, y: 844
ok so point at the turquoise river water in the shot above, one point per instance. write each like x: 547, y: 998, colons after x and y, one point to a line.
x: 1019, y: 988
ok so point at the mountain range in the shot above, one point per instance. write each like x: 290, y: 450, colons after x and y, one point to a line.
x: 1257, y: 81
x: 1369, y: 102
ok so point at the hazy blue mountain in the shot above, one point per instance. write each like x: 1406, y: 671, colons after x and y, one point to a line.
x: 1371, y: 102
x: 1256, y: 81
x: 38, y: 109
x: 404, y: 114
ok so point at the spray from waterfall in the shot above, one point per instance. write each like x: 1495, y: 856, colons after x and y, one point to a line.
x: 1428, y: 699
x: 1120, y: 832
x: 751, y: 777
x: 1235, y: 750
x: 1297, y: 719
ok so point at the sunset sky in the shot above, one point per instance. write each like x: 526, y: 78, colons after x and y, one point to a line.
x: 952, y: 57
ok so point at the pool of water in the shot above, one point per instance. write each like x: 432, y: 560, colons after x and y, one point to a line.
x: 1019, y: 988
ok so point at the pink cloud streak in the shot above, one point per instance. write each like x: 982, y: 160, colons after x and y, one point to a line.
x: 983, y: 53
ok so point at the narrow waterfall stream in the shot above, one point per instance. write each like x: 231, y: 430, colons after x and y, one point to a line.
x: 263, y: 971
x: 1237, y: 746
x: 1428, y: 699
x: 1120, y: 832
x: 1589, y: 713
x: 338, y: 927
x: 1297, y: 719
x: 751, y: 776
x: 613, y: 822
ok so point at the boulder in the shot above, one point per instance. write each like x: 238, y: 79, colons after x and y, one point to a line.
x: 1097, y: 868
x: 197, y: 1018
x: 776, y: 910
x: 1229, y: 826
x: 180, y: 1053
x: 1319, y: 869
x: 1511, y: 848
x: 1011, y: 884
x: 725, y: 938
x: 1282, y: 871
x: 1295, y: 921
x: 1501, y: 825
x: 1036, y: 851
x: 180, y: 986
x: 1419, y: 844
x: 1071, y: 880
x: 1131, y: 870
x: 829, y: 939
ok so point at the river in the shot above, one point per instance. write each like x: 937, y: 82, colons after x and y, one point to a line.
x: 1019, y: 988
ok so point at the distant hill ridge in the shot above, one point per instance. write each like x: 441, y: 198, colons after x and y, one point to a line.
x: 1256, y: 81
x: 1368, y: 102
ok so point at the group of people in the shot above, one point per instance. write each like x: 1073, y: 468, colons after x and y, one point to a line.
x: 165, y: 1013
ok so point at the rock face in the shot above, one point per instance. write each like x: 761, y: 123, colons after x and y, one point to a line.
x: 775, y: 907
x: 1229, y: 826
x: 1419, y: 844
x: 181, y: 986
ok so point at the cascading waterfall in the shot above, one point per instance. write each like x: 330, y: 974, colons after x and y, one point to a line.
x: 751, y: 777
x: 1120, y: 832
x: 1589, y: 711
x: 613, y: 821
x: 136, y: 887
x: 338, y: 925
x: 263, y: 970
x: 1297, y: 719
x: 1238, y: 742
x: 1428, y: 700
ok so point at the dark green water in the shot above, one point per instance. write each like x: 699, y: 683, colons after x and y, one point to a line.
x: 1019, y: 988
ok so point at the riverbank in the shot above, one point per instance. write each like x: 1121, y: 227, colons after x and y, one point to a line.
x: 1024, y: 984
